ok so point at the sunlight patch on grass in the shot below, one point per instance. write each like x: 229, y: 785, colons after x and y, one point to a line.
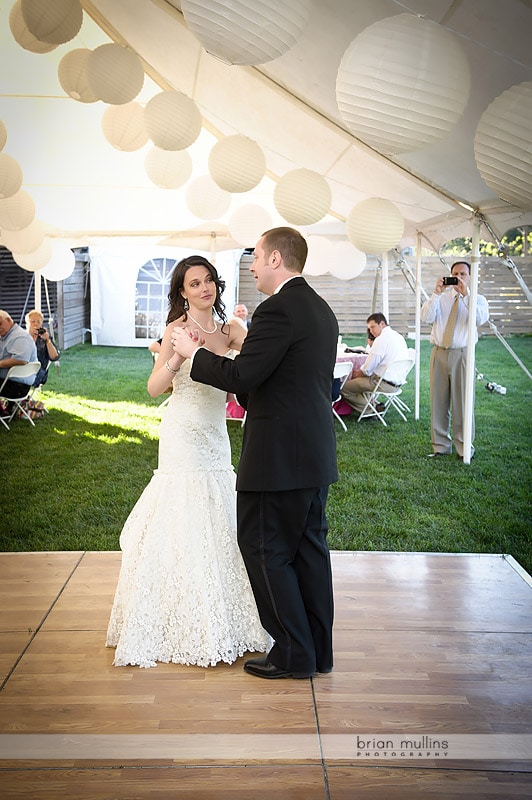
x: 129, y: 416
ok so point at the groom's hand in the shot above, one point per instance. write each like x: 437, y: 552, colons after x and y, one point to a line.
x: 185, y: 341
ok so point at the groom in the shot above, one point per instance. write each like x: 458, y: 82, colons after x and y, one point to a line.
x: 283, y: 377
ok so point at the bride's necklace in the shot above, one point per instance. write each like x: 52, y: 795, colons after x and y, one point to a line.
x: 195, y: 321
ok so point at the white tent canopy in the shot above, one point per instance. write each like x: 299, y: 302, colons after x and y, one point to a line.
x: 83, y: 187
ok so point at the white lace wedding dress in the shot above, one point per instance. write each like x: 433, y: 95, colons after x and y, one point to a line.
x: 183, y: 594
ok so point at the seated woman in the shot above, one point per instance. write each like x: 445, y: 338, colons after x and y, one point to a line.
x: 46, y: 349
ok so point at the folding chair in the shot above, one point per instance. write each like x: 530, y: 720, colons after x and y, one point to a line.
x: 342, y: 371
x: 387, y: 399
x: 20, y: 371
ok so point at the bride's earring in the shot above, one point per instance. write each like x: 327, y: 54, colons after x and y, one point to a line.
x: 185, y: 304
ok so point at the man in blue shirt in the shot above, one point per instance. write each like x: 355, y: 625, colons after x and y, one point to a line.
x: 16, y: 347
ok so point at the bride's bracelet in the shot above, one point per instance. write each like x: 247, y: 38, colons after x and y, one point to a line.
x: 169, y: 368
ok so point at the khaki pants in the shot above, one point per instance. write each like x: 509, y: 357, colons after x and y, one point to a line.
x: 447, y: 393
x: 352, y: 391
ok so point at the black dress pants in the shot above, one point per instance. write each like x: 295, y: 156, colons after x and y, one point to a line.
x: 283, y: 540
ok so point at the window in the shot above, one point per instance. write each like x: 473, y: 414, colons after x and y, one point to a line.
x: 151, y: 297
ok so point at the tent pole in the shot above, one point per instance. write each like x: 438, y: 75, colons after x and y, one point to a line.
x: 472, y: 324
x: 37, y: 274
x: 418, y: 288
x: 385, y: 287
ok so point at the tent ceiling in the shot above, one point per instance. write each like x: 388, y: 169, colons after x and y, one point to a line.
x: 84, y: 187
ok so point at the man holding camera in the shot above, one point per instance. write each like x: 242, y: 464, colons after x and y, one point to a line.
x: 46, y: 349
x: 448, y: 311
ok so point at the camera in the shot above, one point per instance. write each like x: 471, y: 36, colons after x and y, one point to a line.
x: 450, y: 280
x: 41, y: 330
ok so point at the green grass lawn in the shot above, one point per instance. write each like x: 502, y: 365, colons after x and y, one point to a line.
x: 70, y: 482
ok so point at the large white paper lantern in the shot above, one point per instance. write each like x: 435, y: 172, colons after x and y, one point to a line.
x: 61, y: 264
x: 374, y: 226
x: 347, y: 262
x: 17, y: 211
x: 246, y: 31
x: 22, y: 35
x: 503, y: 145
x: 115, y: 74
x: 237, y: 164
x: 248, y: 223
x: 168, y: 169
x: 53, y: 21
x: 26, y: 240
x: 302, y: 197
x: 72, y: 74
x: 403, y: 84
x: 123, y: 127
x: 37, y: 259
x: 205, y: 199
x: 173, y: 120
x: 318, y: 256
x: 3, y: 135
x: 10, y: 175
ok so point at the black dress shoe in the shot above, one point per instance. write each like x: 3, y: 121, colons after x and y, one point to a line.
x: 262, y: 668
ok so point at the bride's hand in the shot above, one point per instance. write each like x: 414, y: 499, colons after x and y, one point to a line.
x: 185, y: 342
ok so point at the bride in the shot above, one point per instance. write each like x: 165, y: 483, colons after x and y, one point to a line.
x: 183, y: 594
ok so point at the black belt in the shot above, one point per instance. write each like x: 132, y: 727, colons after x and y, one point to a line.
x: 395, y: 385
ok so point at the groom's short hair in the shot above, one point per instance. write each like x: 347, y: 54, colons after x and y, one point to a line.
x: 291, y: 245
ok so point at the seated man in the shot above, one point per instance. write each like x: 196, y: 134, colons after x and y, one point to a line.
x: 240, y: 315
x: 46, y: 349
x: 16, y: 348
x: 387, y: 347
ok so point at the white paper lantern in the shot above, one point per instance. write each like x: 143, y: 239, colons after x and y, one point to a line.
x: 205, y: 199
x: 403, y: 84
x: 37, y: 259
x: 3, y: 135
x: 22, y: 35
x: 115, y: 74
x: 503, y: 146
x: 72, y: 74
x: 347, y: 262
x: 17, y: 211
x: 248, y: 223
x: 53, y: 21
x: 123, y: 127
x: 319, y: 255
x: 173, y: 120
x: 374, y: 226
x: 26, y: 240
x: 168, y: 169
x: 246, y: 31
x: 302, y: 197
x: 10, y: 176
x: 237, y: 164
x: 61, y: 264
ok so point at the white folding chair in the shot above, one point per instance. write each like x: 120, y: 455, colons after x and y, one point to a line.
x: 389, y: 399
x: 20, y: 371
x: 342, y: 371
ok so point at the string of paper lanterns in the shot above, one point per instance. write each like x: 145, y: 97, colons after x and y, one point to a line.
x: 403, y: 83
x: 114, y: 73
x: 246, y: 32
x: 205, y: 199
x: 10, y: 175
x: 17, y: 211
x: 503, y: 146
x: 248, y: 223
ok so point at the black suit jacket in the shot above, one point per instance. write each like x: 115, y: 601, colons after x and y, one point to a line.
x: 283, y: 376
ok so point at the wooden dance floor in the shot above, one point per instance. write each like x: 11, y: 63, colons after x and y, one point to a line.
x: 430, y: 698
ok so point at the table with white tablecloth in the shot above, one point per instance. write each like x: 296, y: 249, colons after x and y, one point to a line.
x: 341, y: 407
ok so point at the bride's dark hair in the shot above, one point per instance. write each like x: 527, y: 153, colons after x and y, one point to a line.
x: 176, y: 301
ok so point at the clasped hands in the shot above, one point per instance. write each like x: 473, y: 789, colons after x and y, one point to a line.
x: 186, y: 341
